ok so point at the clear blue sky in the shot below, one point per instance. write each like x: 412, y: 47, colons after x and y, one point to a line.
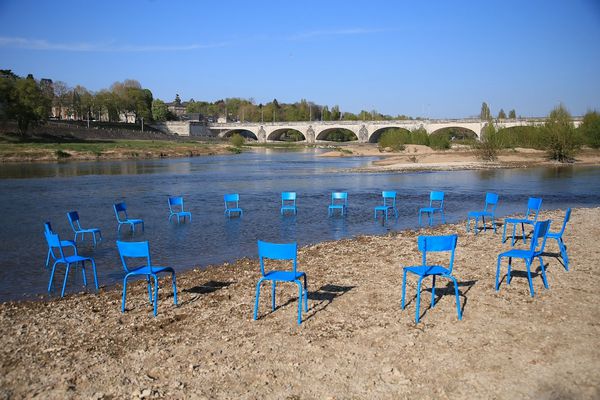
x: 420, y: 58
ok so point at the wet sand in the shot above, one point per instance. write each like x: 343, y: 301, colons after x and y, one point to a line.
x: 354, y: 342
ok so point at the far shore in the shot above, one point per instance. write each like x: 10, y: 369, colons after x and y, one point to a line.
x: 355, y: 341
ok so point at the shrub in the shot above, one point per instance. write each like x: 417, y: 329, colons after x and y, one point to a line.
x: 62, y: 154
x: 237, y: 140
x: 487, y: 148
x: 394, y: 139
x: 562, y: 141
x: 439, y: 141
x: 590, y: 129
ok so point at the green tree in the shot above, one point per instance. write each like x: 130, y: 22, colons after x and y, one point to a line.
x: 561, y: 138
x: 485, y: 113
x: 393, y: 139
x: 501, y: 114
x: 326, y: 114
x: 30, y: 107
x: 489, y: 145
x: 335, y: 113
x: 237, y: 140
x: 160, y: 111
x: 512, y: 114
x: 590, y: 129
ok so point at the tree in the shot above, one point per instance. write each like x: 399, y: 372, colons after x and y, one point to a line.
x: 487, y: 148
x: 485, y: 113
x: 501, y: 114
x: 590, y: 129
x: 29, y: 105
x: 160, y: 111
x: 512, y: 114
x: 335, y: 113
x: 561, y: 138
x: 326, y: 114
x: 61, y: 97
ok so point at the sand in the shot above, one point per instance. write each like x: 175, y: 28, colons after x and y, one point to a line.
x: 354, y: 342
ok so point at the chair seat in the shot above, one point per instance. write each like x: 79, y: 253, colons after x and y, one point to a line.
x: 145, y: 270
x: 518, y: 253
x: 182, y: 213
x: 429, y: 209
x: 519, y: 221
x: 554, y: 235
x: 423, y: 270
x: 89, y: 230
x: 384, y: 208
x: 234, y: 210
x: 74, y: 259
x: 480, y: 214
x: 337, y: 206
x: 286, y: 276
x: 288, y: 207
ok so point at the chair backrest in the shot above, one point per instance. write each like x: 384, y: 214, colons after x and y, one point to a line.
x: 175, y: 201
x: 389, y: 196
x: 436, y: 197
x: 73, y: 217
x: 134, y: 250
x: 567, y: 218
x: 231, y: 198
x: 288, y: 196
x: 277, y: 251
x: 120, y: 208
x: 491, y: 199
x: 48, y: 227
x: 534, y: 204
x: 540, y: 232
x: 53, y: 241
x: 438, y: 244
x: 339, y: 198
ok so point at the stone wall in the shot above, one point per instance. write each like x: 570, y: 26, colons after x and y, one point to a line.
x: 184, y: 128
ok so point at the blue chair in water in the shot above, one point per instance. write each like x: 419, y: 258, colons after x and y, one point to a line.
x: 176, y: 209
x: 389, y: 203
x: 142, y: 250
x: 288, y: 202
x: 73, y: 217
x: 534, y: 204
x: 538, y: 242
x: 339, y: 201
x: 281, y: 252
x: 63, y: 243
x: 123, y: 218
x: 232, y: 204
x: 491, y: 202
x: 558, y: 237
x: 55, y: 245
x: 429, y: 244
x: 436, y: 204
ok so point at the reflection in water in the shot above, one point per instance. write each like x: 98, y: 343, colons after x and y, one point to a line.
x: 211, y: 238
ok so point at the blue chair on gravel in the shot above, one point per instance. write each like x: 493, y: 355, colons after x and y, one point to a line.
x: 281, y: 252
x: 288, y: 202
x: 232, y: 204
x: 491, y: 202
x: 55, y: 245
x: 389, y: 203
x: 63, y: 243
x: 540, y: 234
x: 534, y: 204
x: 436, y: 204
x: 429, y: 244
x: 339, y: 201
x: 558, y: 237
x: 176, y: 209
x: 123, y: 218
x: 142, y: 250
x: 73, y: 217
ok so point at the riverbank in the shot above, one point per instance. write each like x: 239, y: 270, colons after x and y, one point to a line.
x: 355, y: 340
x: 423, y: 158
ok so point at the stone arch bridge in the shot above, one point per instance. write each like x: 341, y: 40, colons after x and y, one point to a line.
x: 365, y: 131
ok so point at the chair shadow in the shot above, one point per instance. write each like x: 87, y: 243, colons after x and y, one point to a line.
x: 445, y: 291
x: 207, y: 288
x: 558, y: 257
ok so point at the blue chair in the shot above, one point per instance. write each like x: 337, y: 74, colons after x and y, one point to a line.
x: 73, y: 217
x: 540, y: 233
x: 534, y: 204
x: 436, y: 204
x: 232, y: 204
x: 122, y: 218
x: 63, y: 243
x: 142, y: 250
x: 558, y: 237
x: 55, y: 244
x: 281, y: 252
x: 491, y: 202
x: 389, y: 203
x: 288, y: 202
x: 429, y: 244
x: 176, y: 209
x: 339, y: 201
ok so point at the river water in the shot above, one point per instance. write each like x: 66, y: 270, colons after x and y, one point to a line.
x: 31, y: 194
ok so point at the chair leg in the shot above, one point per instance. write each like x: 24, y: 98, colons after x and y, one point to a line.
x: 83, y: 273
x: 544, y: 279
x: 498, y: 273
x: 403, y: 288
x: 528, y: 266
x: 418, y: 299
x: 48, y: 258
x: 150, y: 288
x: 494, y: 223
x: 299, y: 301
x: 563, y: 252
x: 95, y: 275
x: 509, y: 271
x: 62, y: 293
x: 273, y: 285
x: 513, y: 235
x: 256, y: 297
x: 483, y: 222
x: 523, y: 233
x: 433, y: 293
x: 124, y: 298
x: 420, y: 218
x: 51, y: 277
x: 305, y: 294
x: 458, y: 310
x: 155, y: 295
x: 174, y: 288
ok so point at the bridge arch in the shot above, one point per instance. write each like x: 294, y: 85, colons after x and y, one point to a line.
x: 286, y: 135
x: 457, y: 133
x: 337, y: 134
x: 247, y: 134
x: 376, y: 135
